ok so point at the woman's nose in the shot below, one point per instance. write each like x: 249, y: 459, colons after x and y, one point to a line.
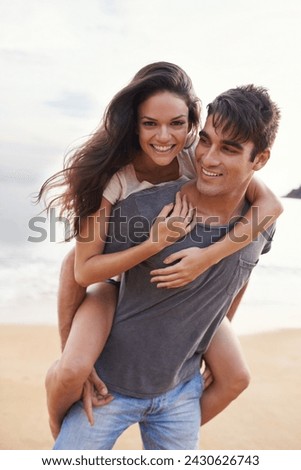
x: 163, y: 134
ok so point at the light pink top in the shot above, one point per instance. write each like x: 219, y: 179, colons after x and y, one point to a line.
x: 125, y: 181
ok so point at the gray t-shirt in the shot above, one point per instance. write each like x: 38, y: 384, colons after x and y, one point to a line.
x: 159, y: 335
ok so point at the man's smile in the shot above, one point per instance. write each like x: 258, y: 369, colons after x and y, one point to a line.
x: 210, y: 173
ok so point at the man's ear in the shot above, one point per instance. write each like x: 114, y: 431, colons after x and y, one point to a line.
x: 261, y: 159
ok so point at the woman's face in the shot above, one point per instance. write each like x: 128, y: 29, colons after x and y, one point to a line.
x: 162, y: 127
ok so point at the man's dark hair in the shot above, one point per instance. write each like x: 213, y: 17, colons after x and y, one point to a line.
x: 247, y: 113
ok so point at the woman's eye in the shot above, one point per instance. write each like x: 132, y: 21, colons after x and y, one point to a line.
x: 148, y: 123
x: 178, y: 123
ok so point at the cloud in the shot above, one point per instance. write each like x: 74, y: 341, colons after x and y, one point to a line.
x: 64, y: 61
x: 74, y: 104
x: 17, y: 176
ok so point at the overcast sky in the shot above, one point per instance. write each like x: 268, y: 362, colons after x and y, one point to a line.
x: 63, y: 60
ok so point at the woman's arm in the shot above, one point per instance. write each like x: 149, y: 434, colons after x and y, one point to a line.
x: 92, y: 266
x: 192, y: 262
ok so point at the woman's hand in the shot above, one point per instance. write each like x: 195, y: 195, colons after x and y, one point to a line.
x: 173, y: 222
x: 190, y: 263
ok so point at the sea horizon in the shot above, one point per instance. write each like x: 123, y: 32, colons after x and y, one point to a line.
x: 29, y: 281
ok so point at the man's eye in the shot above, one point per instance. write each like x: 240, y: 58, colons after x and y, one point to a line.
x: 203, y: 140
x: 231, y: 150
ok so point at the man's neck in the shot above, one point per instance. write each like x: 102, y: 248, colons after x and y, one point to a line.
x: 217, y: 209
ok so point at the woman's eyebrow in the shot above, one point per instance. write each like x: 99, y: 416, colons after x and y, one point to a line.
x: 172, y: 119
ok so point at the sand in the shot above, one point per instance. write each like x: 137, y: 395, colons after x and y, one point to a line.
x: 266, y: 416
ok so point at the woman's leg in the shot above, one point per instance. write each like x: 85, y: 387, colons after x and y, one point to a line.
x: 91, y: 325
x: 229, y: 369
x: 70, y: 296
x: 90, y: 329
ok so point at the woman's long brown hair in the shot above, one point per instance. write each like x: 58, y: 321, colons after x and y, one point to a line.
x: 115, y: 144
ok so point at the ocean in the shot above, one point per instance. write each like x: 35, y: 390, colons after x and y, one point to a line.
x: 29, y: 281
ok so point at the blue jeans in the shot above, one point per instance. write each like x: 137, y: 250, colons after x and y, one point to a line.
x: 169, y: 421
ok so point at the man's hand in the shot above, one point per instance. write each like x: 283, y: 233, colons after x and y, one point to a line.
x: 190, y: 263
x: 207, y: 375
x: 95, y: 393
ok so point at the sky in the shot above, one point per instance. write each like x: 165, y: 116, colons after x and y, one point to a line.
x: 63, y: 60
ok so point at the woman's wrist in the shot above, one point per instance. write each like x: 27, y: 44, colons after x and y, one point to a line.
x: 214, y: 254
x: 153, y: 246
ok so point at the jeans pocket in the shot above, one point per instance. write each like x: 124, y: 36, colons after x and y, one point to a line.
x: 195, y: 386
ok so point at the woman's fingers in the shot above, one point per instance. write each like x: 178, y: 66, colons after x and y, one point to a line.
x: 174, y: 222
x: 166, y: 210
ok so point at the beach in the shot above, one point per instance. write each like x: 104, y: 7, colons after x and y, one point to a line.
x: 64, y: 62
x: 265, y: 416
x: 268, y: 322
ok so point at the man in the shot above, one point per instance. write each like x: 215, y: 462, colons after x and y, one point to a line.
x: 151, y: 360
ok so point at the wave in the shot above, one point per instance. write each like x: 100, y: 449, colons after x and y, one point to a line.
x: 29, y: 281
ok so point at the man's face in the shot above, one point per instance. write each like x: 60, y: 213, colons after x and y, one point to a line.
x: 223, y: 164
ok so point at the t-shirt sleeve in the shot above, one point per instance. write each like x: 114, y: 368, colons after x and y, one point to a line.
x: 268, y: 235
x: 113, y: 190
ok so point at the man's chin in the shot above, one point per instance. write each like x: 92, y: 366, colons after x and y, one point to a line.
x: 208, y: 190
